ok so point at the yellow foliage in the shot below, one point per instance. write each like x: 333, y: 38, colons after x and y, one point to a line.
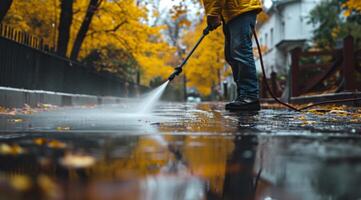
x: 207, y: 65
x: 37, y: 17
x: 352, y: 5
x: 262, y: 17
x: 121, y: 24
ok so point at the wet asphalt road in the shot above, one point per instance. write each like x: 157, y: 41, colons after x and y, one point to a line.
x: 181, y: 151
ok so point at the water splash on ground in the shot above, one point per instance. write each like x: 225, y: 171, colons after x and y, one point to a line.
x: 151, y: 99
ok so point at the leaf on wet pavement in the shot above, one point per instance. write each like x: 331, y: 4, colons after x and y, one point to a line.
x: 62, y: 128
x: 302, y: 117
x: 20, y: 182
x: 6, y: 111
x: 317, y: 111
x: 355, y: 120
x: 306, y: 123
x: 72, y: 160
x: 5, y: 149
x: 339, y: 112
x: 40, y: 141
x: 14, y: 149
x: 49, y: 187
x: 27, y: 110
x: 47, y: 106
x: 56, y: 144
x: 16, y: 120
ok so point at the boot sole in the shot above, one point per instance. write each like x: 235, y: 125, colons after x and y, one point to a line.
x: 244, y: 108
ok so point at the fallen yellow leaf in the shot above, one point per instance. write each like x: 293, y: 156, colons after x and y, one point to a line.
x: 49, y: 187
x: 5, y: 148
x: 56, y: 144
x: 16, y: 120
x: 305, y: 123
x: 77, y: 160
x: 20, y: 182
x: 39, y: 141
x: 315, y: 112
x: 343, y: 112
x: 301, y: 118
x: 62, y: 128
x: 11, y: 149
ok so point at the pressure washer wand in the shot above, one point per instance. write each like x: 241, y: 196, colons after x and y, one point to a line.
x: 179, y: 69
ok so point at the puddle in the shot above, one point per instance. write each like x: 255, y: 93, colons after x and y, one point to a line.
x: 181, y: 151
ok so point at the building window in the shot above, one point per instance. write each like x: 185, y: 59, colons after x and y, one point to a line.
x: 266, y: 39
x: 272, y: 39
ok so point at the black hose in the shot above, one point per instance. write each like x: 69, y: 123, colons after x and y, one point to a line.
x: 265, y: 77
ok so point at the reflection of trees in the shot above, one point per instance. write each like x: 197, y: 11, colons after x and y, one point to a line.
x: 206, y: 157
x: 147, y: 157
x: 125, y: 164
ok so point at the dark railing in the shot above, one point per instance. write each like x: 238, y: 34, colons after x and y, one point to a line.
x: 25, y: 62
x: 24, y: 38
x: 341, y: 70
x: 344, y: 62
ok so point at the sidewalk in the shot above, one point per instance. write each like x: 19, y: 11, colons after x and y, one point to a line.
x: 17, y: 98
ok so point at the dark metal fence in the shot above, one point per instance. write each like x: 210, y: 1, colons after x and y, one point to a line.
x: 24, y: 38
x: 26, y: 63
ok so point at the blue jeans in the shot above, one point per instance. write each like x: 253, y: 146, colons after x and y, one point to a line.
x: 239, y: 53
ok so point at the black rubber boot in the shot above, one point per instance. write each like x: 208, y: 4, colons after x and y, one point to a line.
x: 243, y: 103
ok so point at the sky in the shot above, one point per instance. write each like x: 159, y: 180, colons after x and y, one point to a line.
x: 167, y: 5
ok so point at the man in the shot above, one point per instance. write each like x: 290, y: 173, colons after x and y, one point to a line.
x: 238, y: 17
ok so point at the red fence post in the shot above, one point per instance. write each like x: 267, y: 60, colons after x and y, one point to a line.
x: 348, y: 64
x: 263, y: 88
x: 274, y: 83
x: 1, y: 29
x: 295, y: 59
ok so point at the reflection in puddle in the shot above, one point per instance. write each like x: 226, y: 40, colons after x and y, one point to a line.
x: 185, y: 152
x: 179, y: 187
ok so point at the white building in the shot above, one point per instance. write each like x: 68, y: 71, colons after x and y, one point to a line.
x: 286, y: 28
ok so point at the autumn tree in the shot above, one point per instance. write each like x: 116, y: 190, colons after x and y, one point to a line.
x: 112, y: 59
x: 352, y: 6
x: 66, y: 17
x: 332, y: 24
x: 4, y: 7
x: 114, y: 36
x: 92, y: 8
x: 206, y: 69
x: 36, y: 17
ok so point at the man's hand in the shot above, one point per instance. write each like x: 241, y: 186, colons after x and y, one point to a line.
x: 213, y: 22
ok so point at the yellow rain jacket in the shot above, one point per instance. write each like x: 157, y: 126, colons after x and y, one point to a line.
x: 230, y: 8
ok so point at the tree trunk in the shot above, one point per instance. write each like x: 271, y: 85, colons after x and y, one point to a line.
x: 4, y: 8
x: 66, y: 17
x: 92, y: 8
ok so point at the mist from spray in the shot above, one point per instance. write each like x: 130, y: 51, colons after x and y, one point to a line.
x: 151, y: 99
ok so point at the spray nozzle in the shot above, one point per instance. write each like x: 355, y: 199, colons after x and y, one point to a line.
x: 206, y: 30
x: 176, y: 72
